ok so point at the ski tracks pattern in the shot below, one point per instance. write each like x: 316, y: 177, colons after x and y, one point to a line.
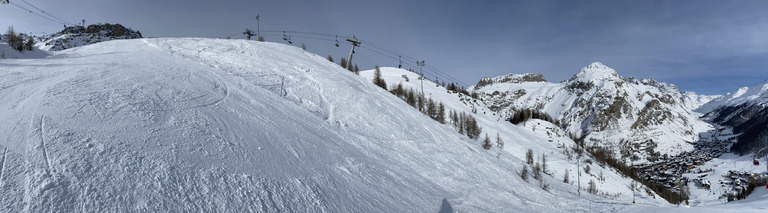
x: 2, y: 165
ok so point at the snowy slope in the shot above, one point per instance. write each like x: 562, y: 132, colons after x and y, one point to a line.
x: 237, y: 126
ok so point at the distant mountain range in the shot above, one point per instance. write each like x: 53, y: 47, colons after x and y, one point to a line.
x: 624, y: 114
x: 746, y: 111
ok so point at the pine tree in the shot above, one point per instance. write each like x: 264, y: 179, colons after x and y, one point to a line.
x: 462, y: 123
x: 261, y: 38
x: 14, y: 40
x: 420, y: 100
x: 29, y: 44
x: 472, y: 129
x: 411, y: 97
x: 441, y: 113
x: 487, y: 142
x: 357, y: 69
x: 529, y: 157
x: 377, y: 78
x: 303, y: 46
x: 343, y: 62
x: 565, y: 178
x: 330, y: 58
x: 431, y: 109
x: 499, y: 142
x: 524, y: 173
x: 544, y: 163
x: 592, y: 187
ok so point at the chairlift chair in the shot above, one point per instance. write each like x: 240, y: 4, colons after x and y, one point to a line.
x: 337, y: 41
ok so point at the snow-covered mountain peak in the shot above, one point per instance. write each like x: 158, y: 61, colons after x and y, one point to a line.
x: 596, y: 72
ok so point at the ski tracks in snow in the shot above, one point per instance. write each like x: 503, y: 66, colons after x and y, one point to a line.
x: 42, y: 145
x: 2, y: 165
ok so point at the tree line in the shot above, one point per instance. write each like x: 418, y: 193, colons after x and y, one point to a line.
x: 16, y: 40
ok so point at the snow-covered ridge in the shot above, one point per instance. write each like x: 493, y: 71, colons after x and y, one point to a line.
x: 511, y: 78
x: 754, y: 95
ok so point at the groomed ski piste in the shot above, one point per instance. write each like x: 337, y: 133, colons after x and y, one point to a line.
x: 211, y: 125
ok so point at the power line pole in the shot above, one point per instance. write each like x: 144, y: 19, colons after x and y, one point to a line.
x: 257, y: 24
x: 578, y: 176
x: 355, y: 43
x: 421, y: 65
x: 632, y: 169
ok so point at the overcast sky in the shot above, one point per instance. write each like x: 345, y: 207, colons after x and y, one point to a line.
x: 711, y: 47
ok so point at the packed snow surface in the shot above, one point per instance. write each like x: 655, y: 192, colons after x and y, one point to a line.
x: 207, y: 125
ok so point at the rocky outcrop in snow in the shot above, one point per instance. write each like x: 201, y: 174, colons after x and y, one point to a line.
x: 75, y: 36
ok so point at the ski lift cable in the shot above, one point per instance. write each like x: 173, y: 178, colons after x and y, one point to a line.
x: 426, y: 72
x: 307, y: 37
x: 407, y: 57
x: 387, y: 55
x: 49, y: 14
x: 389, y: 50
x: 434, y: 71
x: 372, y: 46
x: 30, y: 11
x: 452, y: 78
x: 302, y: 32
